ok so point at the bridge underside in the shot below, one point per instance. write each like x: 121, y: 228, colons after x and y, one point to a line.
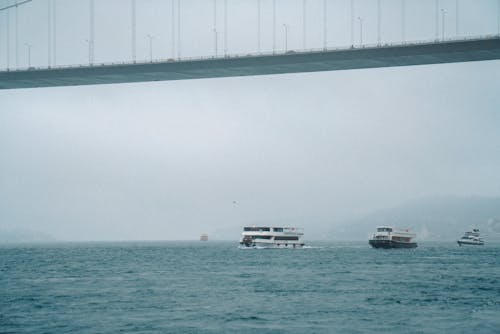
x: 356, y: 58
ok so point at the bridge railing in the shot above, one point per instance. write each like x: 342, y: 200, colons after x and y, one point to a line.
x: 259, y: 54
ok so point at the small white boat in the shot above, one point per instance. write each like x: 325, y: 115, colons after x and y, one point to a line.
x: 271, y: 237
x: 204, y: 237
x: 471, y: 238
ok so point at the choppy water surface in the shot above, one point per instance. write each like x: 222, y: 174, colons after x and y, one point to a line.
x: 217, y: 288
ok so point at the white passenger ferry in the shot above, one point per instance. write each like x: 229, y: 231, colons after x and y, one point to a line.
x: 471, y: 238
x: 389, y: 237
x: 271, y: 237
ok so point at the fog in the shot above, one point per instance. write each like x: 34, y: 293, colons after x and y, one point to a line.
x: 65, y: 27
x: 171, y: 160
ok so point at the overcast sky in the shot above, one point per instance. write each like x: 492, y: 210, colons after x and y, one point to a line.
x: 170, y: 160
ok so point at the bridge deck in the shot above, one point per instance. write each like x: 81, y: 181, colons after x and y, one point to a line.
x: 355, y: 58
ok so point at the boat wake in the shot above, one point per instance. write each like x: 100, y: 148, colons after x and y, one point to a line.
x: 260, y: 247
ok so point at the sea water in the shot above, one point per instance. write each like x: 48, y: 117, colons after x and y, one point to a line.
x: 214, y: 287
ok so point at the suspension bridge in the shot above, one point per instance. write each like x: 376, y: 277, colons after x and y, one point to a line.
x: 359, y: 53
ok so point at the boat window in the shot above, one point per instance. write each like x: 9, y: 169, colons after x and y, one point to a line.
x: 261, y: 237
x: 402, y: 239
x: 278, y: 229
x: 384, y: 229
x: 256, y: 229
x: 286, y: 238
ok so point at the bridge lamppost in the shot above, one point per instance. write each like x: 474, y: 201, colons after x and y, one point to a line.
x: 133, y: 32
x: 89, y: 42
x: 352, y: 23
x: 360, y: 19
x: 498, y: 17
x: 216, y: 42
x: 148, y: 36
x: 258, y: 25
x: 28, y: 47
x: 285, y: 26
x: 225, y: 28
x: 304, y: 26
x: 274, y: 26
x: 403, y: 21
x: 443, y: 15
x: 214, y: 29
x: 325, y: 25
x: 379, y: 24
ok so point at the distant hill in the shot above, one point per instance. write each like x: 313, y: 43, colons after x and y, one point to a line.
x: 439, y: 218
x: 9, y: 235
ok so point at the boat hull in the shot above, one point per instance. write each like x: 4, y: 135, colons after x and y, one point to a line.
x: 270, y: 245
x: 391, y: 244
x: 470, y: 243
